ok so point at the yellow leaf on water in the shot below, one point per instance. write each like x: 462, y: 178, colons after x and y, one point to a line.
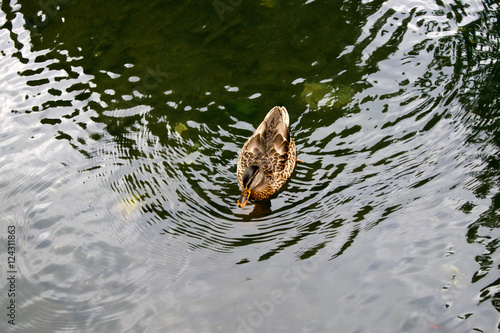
x: 314, y: 92
x: 129, y: 205
x: 269, y: 3
x: 326, y: 95
x: 180, y: 127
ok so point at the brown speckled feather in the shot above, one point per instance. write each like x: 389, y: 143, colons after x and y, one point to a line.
x: 272, y: 149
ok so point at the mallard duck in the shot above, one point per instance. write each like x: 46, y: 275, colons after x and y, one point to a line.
x: 267, y: 159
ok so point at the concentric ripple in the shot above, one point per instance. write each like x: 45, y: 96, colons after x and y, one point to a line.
x: 120, y: 129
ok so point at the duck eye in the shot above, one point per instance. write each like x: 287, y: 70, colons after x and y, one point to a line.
x: 249, y: 174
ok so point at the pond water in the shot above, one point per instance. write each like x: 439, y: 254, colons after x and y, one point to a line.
x: 120, y: 128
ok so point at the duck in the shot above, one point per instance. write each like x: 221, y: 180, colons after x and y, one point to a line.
x: 267, y: 159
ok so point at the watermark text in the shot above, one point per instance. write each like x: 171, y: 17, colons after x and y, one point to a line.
x: 11, y: 274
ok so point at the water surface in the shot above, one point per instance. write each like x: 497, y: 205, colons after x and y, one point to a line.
x: 120, y: 129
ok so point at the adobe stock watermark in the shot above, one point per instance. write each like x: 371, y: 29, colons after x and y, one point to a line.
x: 349, y: 57
x: 292, y: 279
x: 152, y: 81
x: 223, y: 6
x: 49, y: 9
x: 260, y: 310
x: 11, y: 274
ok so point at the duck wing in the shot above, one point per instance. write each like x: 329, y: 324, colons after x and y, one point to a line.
x: 271, y: 140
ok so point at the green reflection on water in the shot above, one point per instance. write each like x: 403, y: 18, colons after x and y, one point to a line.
x: 140, y: 52
x: 481, y: 40
x: 178, y: 72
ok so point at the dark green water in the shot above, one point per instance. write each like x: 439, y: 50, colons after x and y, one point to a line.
x: 120, y: 128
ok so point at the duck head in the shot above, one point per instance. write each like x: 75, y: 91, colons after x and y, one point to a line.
x: 252, y: 178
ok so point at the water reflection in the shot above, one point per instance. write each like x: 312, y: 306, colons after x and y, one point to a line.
x: 481, y: 41
x: 135, y: 115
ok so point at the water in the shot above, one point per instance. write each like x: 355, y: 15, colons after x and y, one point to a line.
x: 120, y: 129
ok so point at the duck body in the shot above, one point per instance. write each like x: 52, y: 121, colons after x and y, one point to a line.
x: 267, y: 158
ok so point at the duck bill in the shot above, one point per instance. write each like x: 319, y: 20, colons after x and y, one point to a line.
x: 242, y: 201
